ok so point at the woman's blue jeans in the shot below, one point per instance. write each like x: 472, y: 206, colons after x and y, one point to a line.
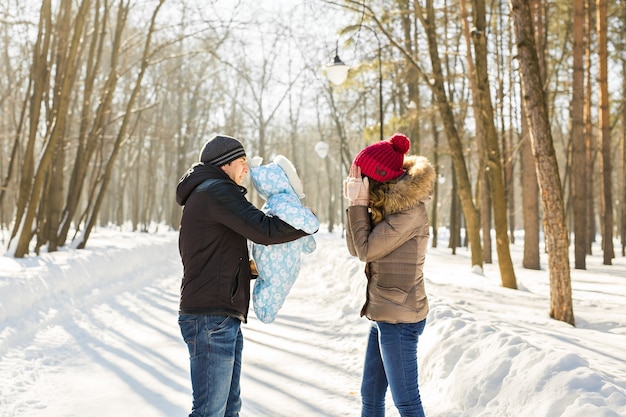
x: 215, y: 344
x: 391, y: 361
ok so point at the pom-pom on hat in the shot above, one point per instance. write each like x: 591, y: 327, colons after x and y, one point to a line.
x: 221, y: 150
x: 382, y: 161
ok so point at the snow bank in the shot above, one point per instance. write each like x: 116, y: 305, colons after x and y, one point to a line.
x: 37, y: 285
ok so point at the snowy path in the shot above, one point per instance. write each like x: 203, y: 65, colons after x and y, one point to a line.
x: 309, y: 360
x: 116, y: 350
x: 105, y: 348
x: 93, y: 333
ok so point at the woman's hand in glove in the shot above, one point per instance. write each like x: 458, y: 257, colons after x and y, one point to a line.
x: 356, y: 187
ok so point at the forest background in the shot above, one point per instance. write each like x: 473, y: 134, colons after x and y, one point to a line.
x: 519, y: 105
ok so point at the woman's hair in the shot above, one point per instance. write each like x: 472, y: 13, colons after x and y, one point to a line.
x: 378, y: 197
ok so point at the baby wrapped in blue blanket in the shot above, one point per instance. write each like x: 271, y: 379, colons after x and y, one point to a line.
x: 278, y: 265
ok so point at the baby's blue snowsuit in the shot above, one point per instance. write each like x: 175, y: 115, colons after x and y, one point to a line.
x: 279, y: 265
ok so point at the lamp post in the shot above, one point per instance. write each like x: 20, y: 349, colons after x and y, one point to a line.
x: 337, y: 72
x: 321, y: 148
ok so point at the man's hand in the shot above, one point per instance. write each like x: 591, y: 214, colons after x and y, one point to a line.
x: 356, y: 187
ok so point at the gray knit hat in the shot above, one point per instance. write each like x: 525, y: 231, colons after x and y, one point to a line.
x: 221, y: 150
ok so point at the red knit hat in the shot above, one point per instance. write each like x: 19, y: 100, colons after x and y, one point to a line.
x: 382, y: 161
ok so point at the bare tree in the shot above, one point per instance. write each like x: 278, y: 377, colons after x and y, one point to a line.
x: 623, y: 231
x: 579, y: 179
x: 260, y: 84
x: 66, y: 67
x: 590, y: 151
x: 530, y: 201
x: 89, y: 138
x: 557, y: 242
x: 492, y: 147
x: 605, y: 132
x: 530, y: 186
x: 67, y: 63
x: 39, y: 81
x: 484, y: 195
x: 121, y: 134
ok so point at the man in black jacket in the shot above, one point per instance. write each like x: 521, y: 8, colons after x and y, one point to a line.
x: 216, y: 224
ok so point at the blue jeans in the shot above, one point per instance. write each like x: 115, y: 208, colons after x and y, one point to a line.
x: 391, y: 361
x: 215, y: 344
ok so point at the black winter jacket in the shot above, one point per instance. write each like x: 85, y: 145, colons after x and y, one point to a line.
x: 216, y: 223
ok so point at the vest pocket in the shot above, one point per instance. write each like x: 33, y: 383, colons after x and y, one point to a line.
x: 395, y: 295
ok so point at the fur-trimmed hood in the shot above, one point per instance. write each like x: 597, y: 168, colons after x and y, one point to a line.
x: 414, y: 187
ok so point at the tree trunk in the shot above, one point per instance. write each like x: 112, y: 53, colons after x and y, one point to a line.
x: 121, y: 134
x: 67, y: 64
x: 605, y: 132
x: 434, y: 219
x: 623, y: 230
x: 331, y: 195
x: 483, y: 189
x: 40, y: 78
x: 545, y: 160
x: 494, y: 161
x: 455, y: 217
x: 13, y: 162
x: 90, y: 138
x: 65, y: 77
x: 590, y: 151
x: 530, y: 193
x: 454, y: 142
x: 411, y: 78
x: 484, y: 196
x: 507, y: 132
x: 530, y: 200
x: 579, y: 179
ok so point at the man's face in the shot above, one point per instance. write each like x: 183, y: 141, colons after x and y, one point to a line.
x: 237, y: 169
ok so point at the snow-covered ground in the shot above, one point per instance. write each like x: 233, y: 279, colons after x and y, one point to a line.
x: 94, y: 333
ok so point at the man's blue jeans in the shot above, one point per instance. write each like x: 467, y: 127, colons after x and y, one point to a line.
x: 391, y: 361
x: 215, y: 344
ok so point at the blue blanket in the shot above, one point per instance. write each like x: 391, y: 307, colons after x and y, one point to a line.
x: 279, y: 265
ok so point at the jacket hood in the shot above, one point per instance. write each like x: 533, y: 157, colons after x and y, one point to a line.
x: 414, y: 187
x: 194, y: 176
